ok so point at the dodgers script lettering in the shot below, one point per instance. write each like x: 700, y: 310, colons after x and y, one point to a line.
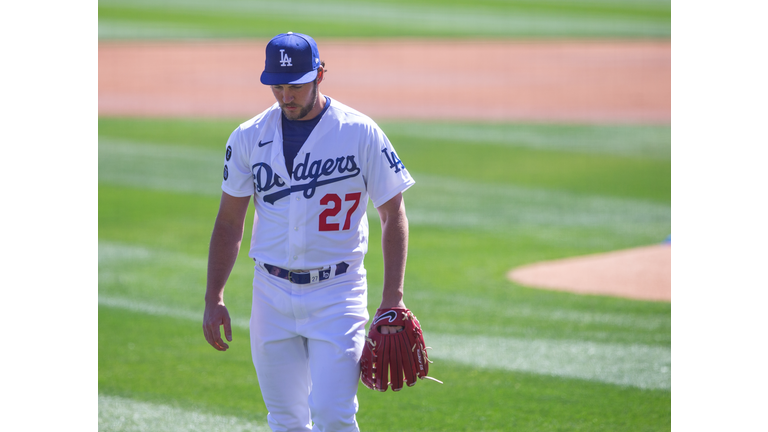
x: 265, y: 179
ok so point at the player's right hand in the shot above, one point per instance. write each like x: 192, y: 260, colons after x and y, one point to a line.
x: 215, y: 316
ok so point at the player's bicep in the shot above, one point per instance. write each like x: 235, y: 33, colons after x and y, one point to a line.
x: 392, y: 209
x: 232, y: 210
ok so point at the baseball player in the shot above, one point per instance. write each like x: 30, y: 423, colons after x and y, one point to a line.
x: 310, y: 163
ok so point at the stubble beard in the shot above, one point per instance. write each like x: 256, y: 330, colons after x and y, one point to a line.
x: 304, y: 111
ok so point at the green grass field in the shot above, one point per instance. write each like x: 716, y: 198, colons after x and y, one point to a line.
x: 512, y: 358
x: 145, y: 19
x: 488, y: 197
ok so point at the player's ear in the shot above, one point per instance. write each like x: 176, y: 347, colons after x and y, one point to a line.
x: 320, y: 74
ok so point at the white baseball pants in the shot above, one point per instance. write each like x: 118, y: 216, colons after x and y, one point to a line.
x: 306, y: 344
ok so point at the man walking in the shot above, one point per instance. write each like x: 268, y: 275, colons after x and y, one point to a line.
x: 311, y: 164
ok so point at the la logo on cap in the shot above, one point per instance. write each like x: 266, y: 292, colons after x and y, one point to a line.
x: 284, y: 59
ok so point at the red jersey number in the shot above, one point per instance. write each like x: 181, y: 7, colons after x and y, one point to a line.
x: 335, y: 208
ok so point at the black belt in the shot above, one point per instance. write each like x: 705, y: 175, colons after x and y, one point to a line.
x: 305, y: 277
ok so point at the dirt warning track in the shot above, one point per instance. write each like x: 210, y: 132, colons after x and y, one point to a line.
x: 564, y: 81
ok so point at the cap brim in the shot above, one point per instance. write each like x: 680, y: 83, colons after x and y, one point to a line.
x: 287, y: 78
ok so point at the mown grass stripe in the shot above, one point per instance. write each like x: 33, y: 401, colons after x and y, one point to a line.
x: 150, y: 308
x: 483, y: 306
x: 484, y: 206
x: 652, y: 142
x: 645, y: 141
x: 411, y: 18
x: 128, y: 415
x: 160, y: 167
x: 643, y: 366
x: 114, y: 255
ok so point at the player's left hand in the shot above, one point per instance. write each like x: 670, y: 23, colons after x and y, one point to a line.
x: 391, y: 329
x: 217, y: 315
x: 390, y: 357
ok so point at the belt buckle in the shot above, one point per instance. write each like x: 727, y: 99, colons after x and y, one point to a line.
x: 315, y: 275
x: 290, y: 277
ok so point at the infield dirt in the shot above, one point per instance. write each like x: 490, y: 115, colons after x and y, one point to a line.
x: 564, y: 81
x: 535, y: 81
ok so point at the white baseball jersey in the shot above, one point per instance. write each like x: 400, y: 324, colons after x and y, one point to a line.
x: 316, y: 216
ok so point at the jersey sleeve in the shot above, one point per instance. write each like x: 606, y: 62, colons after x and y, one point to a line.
x: 386, y: 173
x: 238, y: 179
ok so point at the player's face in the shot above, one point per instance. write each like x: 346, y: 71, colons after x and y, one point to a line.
x: 296, y: 100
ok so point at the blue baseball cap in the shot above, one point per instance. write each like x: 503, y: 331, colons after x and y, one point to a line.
x: 292, y: 58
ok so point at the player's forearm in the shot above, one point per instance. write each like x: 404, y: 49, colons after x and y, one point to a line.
x: 394, y: 243
x: 222, y: 254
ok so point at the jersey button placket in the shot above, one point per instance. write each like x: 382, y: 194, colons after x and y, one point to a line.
x: 296, y: 240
